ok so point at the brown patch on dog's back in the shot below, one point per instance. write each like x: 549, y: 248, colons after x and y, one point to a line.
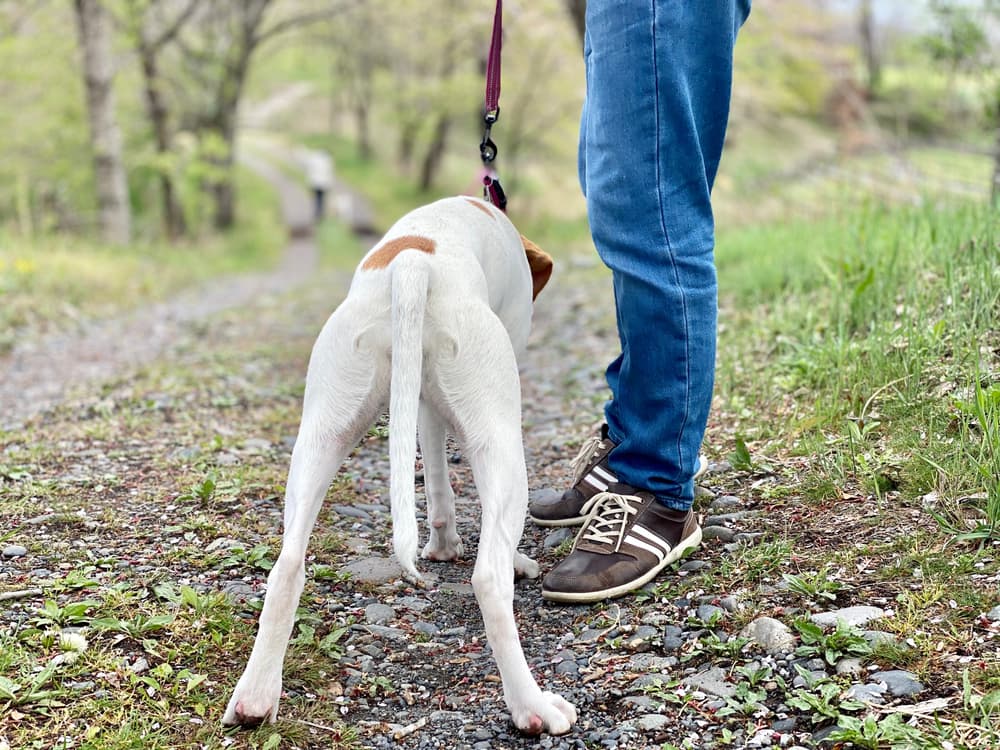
x: 481, y: 207
x: 381, y: 257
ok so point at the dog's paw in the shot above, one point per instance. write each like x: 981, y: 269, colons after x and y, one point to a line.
x: 440, y: 551
x: 249, y: 707
x: 525, y: 567
x: 548, y: 713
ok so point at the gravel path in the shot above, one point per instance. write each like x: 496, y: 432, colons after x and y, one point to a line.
x: 704, y: 657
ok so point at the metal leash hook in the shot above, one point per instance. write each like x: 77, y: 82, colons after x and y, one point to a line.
x: 492, y: 192
x: 487, y: 148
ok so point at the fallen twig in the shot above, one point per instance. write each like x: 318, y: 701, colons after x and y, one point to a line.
x: 22, y: 594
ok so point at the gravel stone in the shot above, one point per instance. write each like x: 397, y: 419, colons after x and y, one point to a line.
x: 557, y: 536
x: 849, y: 665
x: 711, y: 681
x: 726, y: 501
x: 692, y: 566
x: 994, y: 614
x: 867, y: 693
x: 373, y: 570
x: 379, y: 614
x: 722, y: 533
x: 772, y: 635
x: 708, y: 612
x: 855, y: 616
x: 14, y: 550
x: 652, y: 722
x: 899, y: 683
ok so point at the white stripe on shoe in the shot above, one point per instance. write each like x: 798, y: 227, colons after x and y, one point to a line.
x: 607, y: 476
x: 596, y: 483
x: 636, y: 542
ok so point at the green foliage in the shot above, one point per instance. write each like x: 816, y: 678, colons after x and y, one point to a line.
x: 844, y: 640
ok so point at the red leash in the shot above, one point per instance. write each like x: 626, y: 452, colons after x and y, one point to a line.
x: 492, y: 192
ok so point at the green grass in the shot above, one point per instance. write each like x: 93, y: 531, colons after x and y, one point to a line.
x: 54, y: 280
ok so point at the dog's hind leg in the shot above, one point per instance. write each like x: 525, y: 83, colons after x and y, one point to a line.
x: 444, y: 542
x: 344, y: 391
x: 487, y: 413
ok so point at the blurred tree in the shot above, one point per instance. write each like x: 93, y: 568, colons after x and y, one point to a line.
x: 870, y: 50
x: 961, y: 42
x: 151, y: 27
x: 94, y: 32
x: 578, y: 12
x: 216, y: 50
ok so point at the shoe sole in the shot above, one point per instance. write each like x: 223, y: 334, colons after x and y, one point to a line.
x: 578, y: 520
x: 683, y: 549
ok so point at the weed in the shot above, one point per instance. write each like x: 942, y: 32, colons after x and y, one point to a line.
x: 814, y: 586
x: 844, y: 640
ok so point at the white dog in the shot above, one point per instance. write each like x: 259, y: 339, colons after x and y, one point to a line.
x: 435, y: 316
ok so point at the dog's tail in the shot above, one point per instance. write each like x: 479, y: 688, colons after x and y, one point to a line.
x: 410, y: 283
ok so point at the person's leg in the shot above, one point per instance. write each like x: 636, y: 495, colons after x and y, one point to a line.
x: 659, y: 77
x: 659, y: 74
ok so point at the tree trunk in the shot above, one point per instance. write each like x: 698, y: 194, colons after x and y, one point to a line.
x: 869, y: 46
x: 364, y: 135
x: 94, y: 31
x: 578, y: 12
x: 173, y: 215
x: 435, y: 153
x: 223, y: 188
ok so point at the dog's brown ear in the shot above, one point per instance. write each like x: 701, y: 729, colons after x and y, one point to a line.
x: 540, y: 263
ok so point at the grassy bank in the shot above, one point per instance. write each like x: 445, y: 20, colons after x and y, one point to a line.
x: 53, y: 281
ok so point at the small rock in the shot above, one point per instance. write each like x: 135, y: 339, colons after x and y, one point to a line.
x: 652, y: 722
x: 567, y: 667
x: 854, y: 616
x: 770, y: 634
x: 849, y: 665
x: 709, y: 612
x: 378, y: 614
x: 722, y: 519
x: 870, y: 693
x: 784, y: 725
x: 373, y: 570
x: 390, y: 634
x: 711, y: 681
x: 729, y: 603
x: 898, y: 682
x: 994, y: 614
x: 692, y: 566
x: 721, y: 533
x: 350, y: 511
x: 641, y: 639
x: 14, y: 550
x: 426, y: 628
x: 641, y: 702
x: 726, y: 501
x: 139, y: 666
x: 237, y: 589
x: 556, y: 537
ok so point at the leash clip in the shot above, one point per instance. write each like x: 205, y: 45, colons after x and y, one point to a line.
x: 487, y: 148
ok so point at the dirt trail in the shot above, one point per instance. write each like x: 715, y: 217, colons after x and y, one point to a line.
x: 38, y: 372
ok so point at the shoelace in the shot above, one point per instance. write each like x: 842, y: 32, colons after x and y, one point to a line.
x: 609, y: 518
x: 579, y: 464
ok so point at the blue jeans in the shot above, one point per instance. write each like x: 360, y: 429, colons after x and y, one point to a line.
x: 659, y: 74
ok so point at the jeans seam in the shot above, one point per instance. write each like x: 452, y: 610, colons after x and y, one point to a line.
x: 670, y: 252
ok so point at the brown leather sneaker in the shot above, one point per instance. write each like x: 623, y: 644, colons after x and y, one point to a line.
x: 591, y: 476
x: 628, y: 538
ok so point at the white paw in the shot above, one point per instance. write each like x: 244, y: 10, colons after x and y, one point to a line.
x: 525, y: 567
x: 251, y: 706
x: 442, y: 551
x: 549, y: 713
